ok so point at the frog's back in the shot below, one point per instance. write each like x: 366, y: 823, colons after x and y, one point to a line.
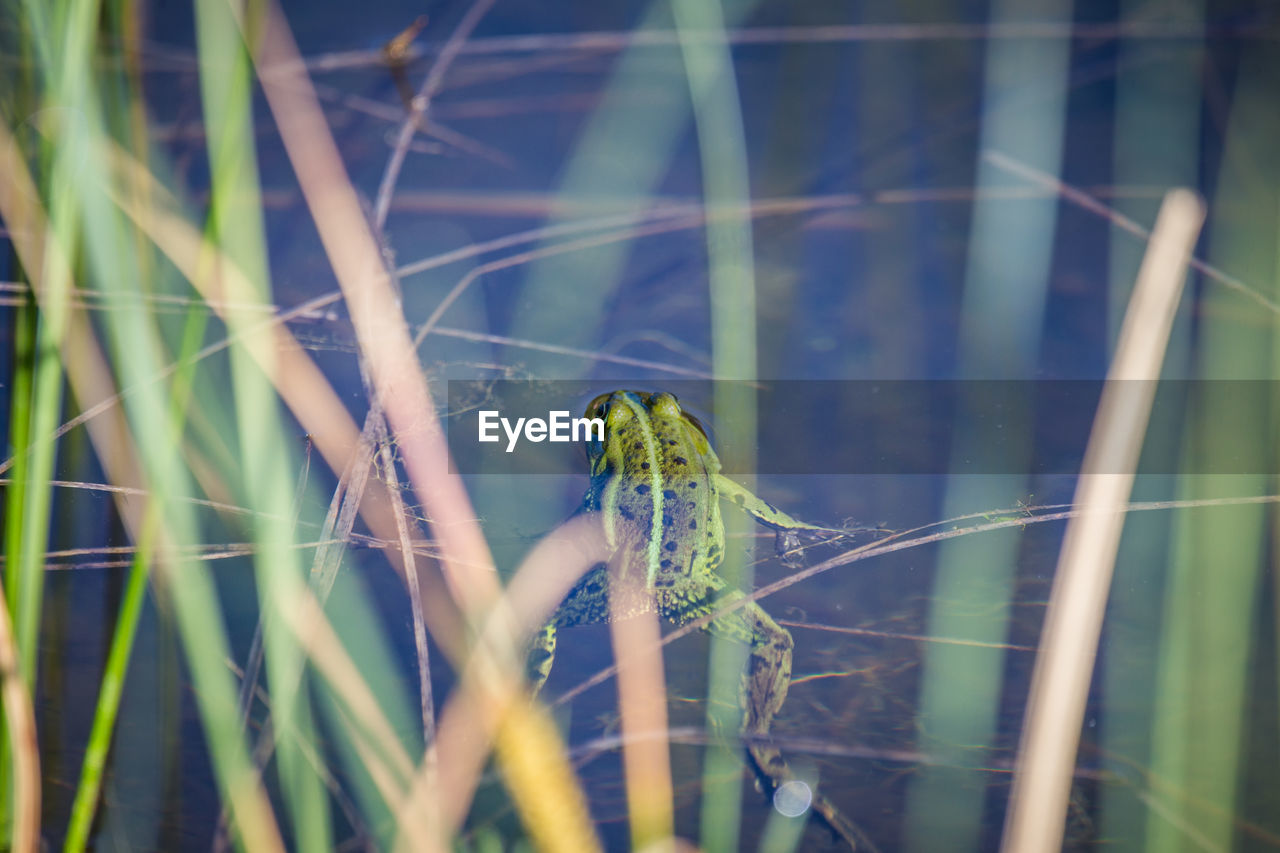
x: 653, y: 479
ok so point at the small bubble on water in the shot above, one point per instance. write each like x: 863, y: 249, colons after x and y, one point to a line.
x: 792, y: 798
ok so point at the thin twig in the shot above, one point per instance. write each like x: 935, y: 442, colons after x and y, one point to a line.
x: 1083, y: 200
x: 426, y: 700
x: 314, y: 307
x: 904, y: 540
x: 897, y: 635
x: 613, y: 41
x: 419, y: 106
x: 338, y: 522
x: 544, y: 252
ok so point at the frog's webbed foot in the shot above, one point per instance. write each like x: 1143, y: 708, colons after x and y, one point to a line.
x: 790, y: 551
x: 772, y: 771
x: 845, y: 829
x: 790, y: 542
x: 764, y: 687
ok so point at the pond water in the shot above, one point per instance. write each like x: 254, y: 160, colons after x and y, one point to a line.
x: 919, y: 193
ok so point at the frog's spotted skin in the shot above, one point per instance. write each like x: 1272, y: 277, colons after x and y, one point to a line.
x: 656, y: 484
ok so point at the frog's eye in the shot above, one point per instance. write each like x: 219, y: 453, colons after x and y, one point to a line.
x: 597, y: 407
x: 664, y: 405
x: 697, y: 424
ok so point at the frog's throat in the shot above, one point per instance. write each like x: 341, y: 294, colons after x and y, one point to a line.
x: 653, y: 553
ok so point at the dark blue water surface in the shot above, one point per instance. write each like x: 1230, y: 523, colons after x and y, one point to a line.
x: 867, y: 131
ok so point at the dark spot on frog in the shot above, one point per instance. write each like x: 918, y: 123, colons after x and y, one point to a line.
x: 693, y: 524
x: 670, y: 546
x: 665, y: 564
x: 639, y: 445
x: 644, y: 465
x: 667, y: 520
x: 679, y: 460
x: 669, y: 494
x: 693, y: 484
x: 626, y: 513
x: 642, y: 489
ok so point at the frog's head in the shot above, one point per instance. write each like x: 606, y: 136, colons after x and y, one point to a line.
x: 640, y: 413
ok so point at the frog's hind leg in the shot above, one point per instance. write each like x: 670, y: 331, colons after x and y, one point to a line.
x: 586, y: 603
x: 542, y: 654
x: 764, y: 683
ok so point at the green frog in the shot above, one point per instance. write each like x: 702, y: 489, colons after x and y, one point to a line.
x: 656, y: 485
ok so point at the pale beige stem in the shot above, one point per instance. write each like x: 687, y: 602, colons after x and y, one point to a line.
x: 401, y: 389
x: 20, y: 720
x: 642, y: 703
x: 375, y: 313
x: 1073, y: 621
x: 489, y: 702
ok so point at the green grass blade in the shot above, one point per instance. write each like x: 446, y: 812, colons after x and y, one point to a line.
x: 84, y: 806
x: 71, y: 31
x: 1200, y: 731
x: 266, y: 476
x: 713, y: 91
x: 1158, y: 96
x: 1006, y: 287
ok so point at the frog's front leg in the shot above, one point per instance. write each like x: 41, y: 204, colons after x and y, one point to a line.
x: 786, y: 527
x: 764, y: 682
x: 761, y: 510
